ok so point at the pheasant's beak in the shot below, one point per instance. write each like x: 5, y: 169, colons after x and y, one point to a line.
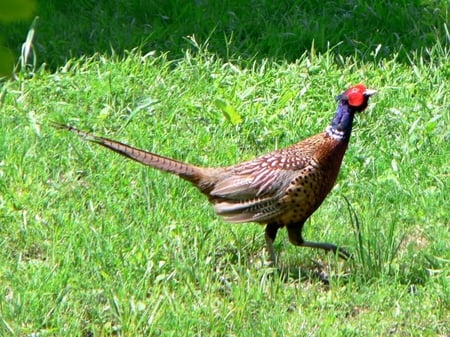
x: 369, y: 92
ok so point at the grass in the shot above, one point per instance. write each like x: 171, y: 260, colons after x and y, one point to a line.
x: 94, y: 245
x: 250, y: 30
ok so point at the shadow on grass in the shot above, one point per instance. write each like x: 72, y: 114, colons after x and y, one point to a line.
x: 233, y: 28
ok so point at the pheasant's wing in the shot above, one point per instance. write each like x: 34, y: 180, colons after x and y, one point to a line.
x: 262, y: 177
x: 252, y: 190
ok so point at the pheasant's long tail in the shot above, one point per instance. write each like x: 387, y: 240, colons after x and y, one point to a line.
x: 184, y: 170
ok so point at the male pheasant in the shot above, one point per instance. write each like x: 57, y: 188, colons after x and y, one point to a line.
x: 279, y: 189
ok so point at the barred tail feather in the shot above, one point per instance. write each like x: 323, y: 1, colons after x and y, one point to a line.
x: 186, y: 171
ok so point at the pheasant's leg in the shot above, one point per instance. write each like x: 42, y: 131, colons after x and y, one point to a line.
x: 342, y: 253
x: 271, y: 234
x: 295, y: 237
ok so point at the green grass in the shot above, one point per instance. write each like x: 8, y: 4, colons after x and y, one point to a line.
x: 96, y: 245
x: 248, y: 29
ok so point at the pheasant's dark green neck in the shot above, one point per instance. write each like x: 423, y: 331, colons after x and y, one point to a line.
x: 341, y: 126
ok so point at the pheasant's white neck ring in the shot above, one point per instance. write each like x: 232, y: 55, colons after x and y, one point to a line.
x: 335, y: 134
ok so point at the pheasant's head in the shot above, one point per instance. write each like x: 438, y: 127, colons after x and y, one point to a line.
x: 354, y: 99
x: 357, y: 97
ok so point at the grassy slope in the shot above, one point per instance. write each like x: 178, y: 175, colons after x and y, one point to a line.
x: 93, y: 244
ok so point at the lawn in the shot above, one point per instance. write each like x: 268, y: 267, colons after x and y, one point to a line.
x: 97, y: 245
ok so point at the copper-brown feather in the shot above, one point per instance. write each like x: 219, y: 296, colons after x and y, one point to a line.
x: 282, y: 188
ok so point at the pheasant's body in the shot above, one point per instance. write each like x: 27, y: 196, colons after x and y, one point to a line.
x: 280, y: 189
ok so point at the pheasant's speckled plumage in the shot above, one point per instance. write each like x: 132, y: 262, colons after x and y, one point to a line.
x: 279, y: 189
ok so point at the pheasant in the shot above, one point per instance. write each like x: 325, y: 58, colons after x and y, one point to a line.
x: 279, y: 189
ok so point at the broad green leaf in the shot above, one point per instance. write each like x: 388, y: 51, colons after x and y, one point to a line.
x: 229, y: 111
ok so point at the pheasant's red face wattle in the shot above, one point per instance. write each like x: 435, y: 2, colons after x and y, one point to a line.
x: 356, y: 95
